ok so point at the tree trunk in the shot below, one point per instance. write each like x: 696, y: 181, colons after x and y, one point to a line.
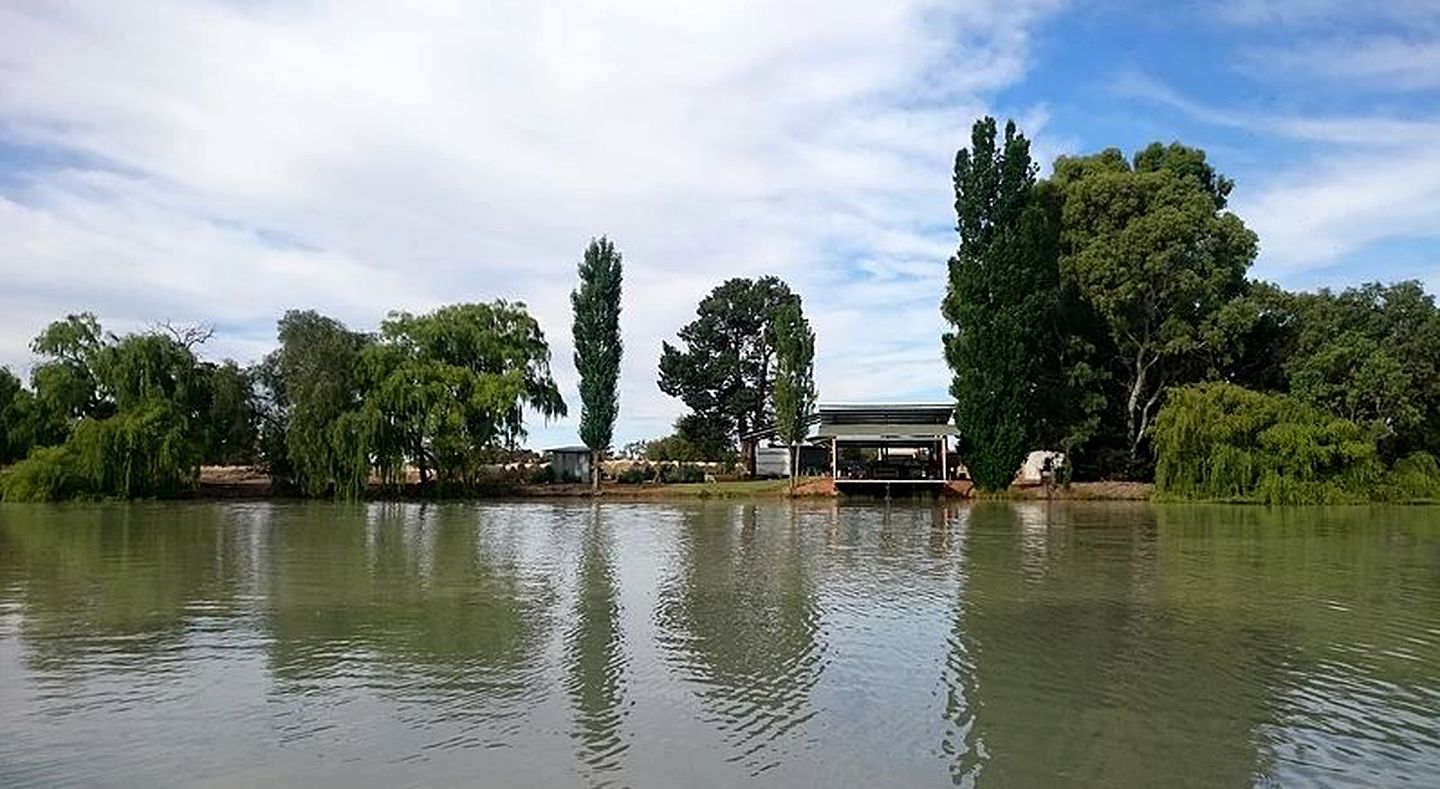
x: 794, y: 465
x: 595, y: 455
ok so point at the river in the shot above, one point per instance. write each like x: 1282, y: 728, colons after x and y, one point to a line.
x: 718, y: 644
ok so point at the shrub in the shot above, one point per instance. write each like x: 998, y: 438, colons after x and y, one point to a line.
x: 1413, y: 477
x: 48, y: 474
x: 636, y: 474
x: 1221, y: 441
x: 681, y: 473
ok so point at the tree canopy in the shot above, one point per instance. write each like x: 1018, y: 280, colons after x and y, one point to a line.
x: 596, y: 306
x: 794, y: 378
x: 1002, y: 300
x: 1151, y: 249
x: 725, y: 372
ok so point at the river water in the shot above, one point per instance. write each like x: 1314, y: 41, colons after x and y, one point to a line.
x: 718, y: 644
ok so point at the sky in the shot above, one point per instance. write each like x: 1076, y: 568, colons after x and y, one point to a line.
x: 222, y: 161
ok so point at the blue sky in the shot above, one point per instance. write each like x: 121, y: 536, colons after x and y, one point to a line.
x: 220, y: 161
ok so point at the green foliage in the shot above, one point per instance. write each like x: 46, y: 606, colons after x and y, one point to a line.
x: 65, y: 381
x: 312, y: 379
x: 124, y: 417
x: 726, y: 372
x: 1003, y: 299
x: 16, y: 408
x: 636, y: 474
x: 794, y: 376
x: 1150, y: 248
x: 681, y: 473
x: 1221, y: 441
x: 232, y: 414
x: 1414, y: 477
x: 596, y: 304
x: 1371, y: 354
x: 48, y: 474
x: 442, y: 391
x: 673, y: 448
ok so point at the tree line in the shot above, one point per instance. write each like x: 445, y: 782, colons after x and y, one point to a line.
x: 1107, y: 311
x: 328, y: 412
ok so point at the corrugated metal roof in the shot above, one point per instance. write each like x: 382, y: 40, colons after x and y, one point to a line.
x: 570, y: 449
x: 907, y: 414
x: 885, y: 431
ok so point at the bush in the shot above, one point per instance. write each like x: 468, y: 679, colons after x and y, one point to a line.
x: 149, y: 451
x: 1412, y: 478
x: 48, y: 474
x: 672, y: 448
x: 1221, y: 441
x: 681, y: 473
x: 636, y: 474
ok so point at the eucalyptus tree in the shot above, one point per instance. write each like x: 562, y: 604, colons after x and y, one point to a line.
x: 596, y: 304
x: 794, y: 379
x: 1150, y: 246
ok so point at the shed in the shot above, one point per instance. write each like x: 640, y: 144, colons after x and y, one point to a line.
x: 889, y: 442
x: 570, y: 464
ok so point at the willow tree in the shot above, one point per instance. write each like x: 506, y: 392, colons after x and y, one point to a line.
x: 596, y: 304
x: 1002, y: 297
x: 447, y: 390
x: 794, y: 378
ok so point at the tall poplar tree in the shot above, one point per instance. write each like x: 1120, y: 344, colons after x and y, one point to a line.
x: 794, y: 378
x: 597, y: 348
x: 1002, y: 298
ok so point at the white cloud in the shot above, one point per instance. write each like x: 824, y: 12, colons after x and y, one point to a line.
x: 227, y: 161
x: 1384, y: 62
x: 1365, y: 179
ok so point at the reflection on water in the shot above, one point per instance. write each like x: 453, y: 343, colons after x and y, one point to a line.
x: 658, y: 644
x: 596, y: 652
x: 739, y: 621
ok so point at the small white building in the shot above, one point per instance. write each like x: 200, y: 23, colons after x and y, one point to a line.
x: 570, y: 464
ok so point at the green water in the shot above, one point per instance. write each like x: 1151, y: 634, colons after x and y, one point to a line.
x: 661, y: 645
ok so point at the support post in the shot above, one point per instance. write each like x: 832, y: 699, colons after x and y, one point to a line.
x: 944, y: 460
x: 834, y: 460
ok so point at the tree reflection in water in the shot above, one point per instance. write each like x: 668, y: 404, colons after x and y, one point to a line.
x: 740, y: 621
x: 595, y: 653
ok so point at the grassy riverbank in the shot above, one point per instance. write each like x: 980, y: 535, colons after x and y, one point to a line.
x: 230, y: 482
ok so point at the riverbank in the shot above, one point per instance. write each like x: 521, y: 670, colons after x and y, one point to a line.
x: 234, y: 482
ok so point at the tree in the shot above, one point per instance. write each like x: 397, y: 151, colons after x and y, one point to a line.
x: 1222, y: 441
x: 794, y: 379
x: 1371, y: 354
x: 596, y: 305
x: 16, y: 406
x: 310, y: 382
x: 725, y: 373
x: 1151, y: 248
x: 447, y: 389
x: 135, y: 408
x: 64, y: 381
x: 1002, y: 300
x: 232, y: 415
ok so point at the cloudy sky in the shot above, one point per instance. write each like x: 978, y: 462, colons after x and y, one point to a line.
x: 224, y: 160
